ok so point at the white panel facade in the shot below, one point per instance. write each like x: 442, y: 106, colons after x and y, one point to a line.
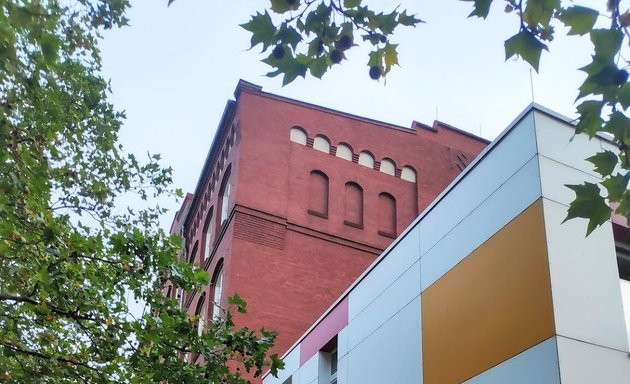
x: 342, y: 342
x: 291, y: 367
x: 516, y: 149
x: 309, y: 371
x: 400, y: 257
x: 513, y: 197
x: 392, y: 354
x: 391, y: 301
x: 557, y: 140
x: 584, y: 280
x: 538, y: 364
x: 555, y: 176
x: 584, y: 363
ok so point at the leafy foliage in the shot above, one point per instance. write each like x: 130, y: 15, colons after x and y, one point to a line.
x: 316, y: 34
x: 603, y: 98
x: 69, y: 256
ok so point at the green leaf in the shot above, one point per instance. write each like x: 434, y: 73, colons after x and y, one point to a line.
x: 262, y: 30
x: 616, y: 186
x: 201, y: 277
x: 590, y: 121
x: 351, y: 3
x: 540, y: 11
x: 588, y: 204
x: 387, y: 23
x: 288, y: 36
x: 604, y: 162
x: 624, y: 95
x: 50, y: 47
x: 619, y: 126
x: 318, y: 66
x: 237, y: 301
x: 390, y: 56
x: 408, y: 20
x: 607, y: 43
x: 579, y: 19
x: 288, y: 66
x: 282, y: 6
x: 481, y: 8
x: 525, y: 45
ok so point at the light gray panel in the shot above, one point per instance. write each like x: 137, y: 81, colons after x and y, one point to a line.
x: 556, y: 176
x: 342, y: 342
x: 514, y: 196
x: 309, y: 370
x: 585, y: 287
x: 539, y: 364
x: 584, y: 363
x: 392, y: 300
x: 291, y: 367
x: 342, y: 370
x: 392, y: 354
x: 394, y: 264
x: 557, y: 140
x: 516, y: 149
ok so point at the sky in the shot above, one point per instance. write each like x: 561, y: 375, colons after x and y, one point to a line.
x: 174, y: 69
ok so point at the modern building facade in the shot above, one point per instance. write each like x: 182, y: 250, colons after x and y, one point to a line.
x: 295, y: 200
x: 488, y: 285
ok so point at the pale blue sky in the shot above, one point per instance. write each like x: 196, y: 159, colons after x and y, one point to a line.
x: 174, y: 68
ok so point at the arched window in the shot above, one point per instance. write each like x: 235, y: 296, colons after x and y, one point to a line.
x: 207, y: 230
x: 201, y: 312
x: 386, y: 215
x: 321, y: 144
x: 353, y: 205
x: 318, y: 194
x: 169, y: 291
x: 366, y: 159
x: 388, y: 166
x: 298, y: 135
x: 225, y: 197
x: 217, y: 290
x: 179, y: 295
x: 407, y: 173
x: 193, y: 254
x: 344, y: 151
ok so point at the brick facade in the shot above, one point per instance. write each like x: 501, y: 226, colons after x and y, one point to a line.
x: 303, y: 224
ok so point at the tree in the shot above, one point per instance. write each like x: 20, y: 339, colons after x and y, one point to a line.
x: 312, y: 36
x: 69, y: 254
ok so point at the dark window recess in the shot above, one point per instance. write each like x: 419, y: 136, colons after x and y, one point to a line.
x: 386, y: 215
x: 623, y: 263
x: 318, y: 194
x: 353, y: 205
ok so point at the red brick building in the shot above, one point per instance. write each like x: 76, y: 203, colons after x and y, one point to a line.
x: 295, y: 200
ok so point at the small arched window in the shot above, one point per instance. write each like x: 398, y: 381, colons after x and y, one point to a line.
x: 388, y: 166
x: 408, y: 173
x: 321, y: 144
x: 169, y: 291
x: 193, y: 254
x: 298, y: 135
x: 318, y: 194
x: 217, y: 290
x: 344, y: 151
x: 200, y: 311
x: 386, y: 215
x: 353, y: 205
x: 225, y: 197
x: 366, y: 159
x: 208, y: 229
